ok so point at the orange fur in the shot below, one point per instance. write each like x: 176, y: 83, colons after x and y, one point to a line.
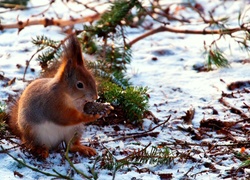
x: 84, y: 150
x: 50, y: 110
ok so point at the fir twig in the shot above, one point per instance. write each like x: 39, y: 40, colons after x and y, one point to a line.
x: 111, y: 163
x: 133, y: 100
x: 43, y: 42
x: 217, y: 58
x: 154, y: 156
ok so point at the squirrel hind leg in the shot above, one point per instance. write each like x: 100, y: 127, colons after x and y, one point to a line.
x: 40, y: 152
x: 81, y: 149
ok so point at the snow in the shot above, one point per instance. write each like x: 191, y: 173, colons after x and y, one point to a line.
x: 174, y: 87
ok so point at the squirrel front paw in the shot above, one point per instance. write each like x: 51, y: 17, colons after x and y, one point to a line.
x: 83, y: 150
x: 96, y: 108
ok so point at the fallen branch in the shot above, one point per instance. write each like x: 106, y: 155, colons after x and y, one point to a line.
x: 233, y: 109
x: 186, y: 31
x: 185, y: 143
x: 49, y: 22
x: 142, y: 134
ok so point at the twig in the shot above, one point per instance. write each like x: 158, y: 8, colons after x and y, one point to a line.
x: 185, y: 143
x: 49, y: 22
x: 131, y: 155
x: 243, y: 120
x: 70, y: 162
x: 87, y: 6
x: 201, y: 172
x: 40, y: 49
x: 190, y: 169
x: 92, y: 170
x: 6, y: 150
x: 187, y: 31
x: 119, y: 163
x: 57, y: 175
x: 28, y: 63
x: 233, y: 109
x: 41, y: 13
x: 142, y: 134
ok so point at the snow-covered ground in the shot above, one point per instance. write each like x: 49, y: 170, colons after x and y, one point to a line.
x: 174, y: 87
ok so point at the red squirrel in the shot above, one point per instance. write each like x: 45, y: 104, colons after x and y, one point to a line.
x: 50, y: 110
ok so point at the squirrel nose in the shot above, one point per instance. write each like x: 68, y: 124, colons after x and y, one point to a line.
x: 95, y: 97
x: 92, y: 97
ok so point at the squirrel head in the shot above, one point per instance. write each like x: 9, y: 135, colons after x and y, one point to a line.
x: 77, y: 80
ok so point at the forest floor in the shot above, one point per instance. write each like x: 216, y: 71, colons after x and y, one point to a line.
x: 202, y: 117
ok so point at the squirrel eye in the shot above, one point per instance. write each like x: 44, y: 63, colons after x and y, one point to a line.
x: 79, y: 85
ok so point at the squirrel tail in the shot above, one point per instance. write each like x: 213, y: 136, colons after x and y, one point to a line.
x: 13, y: 115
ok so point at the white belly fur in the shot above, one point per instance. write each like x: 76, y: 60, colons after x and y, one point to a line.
x: 51, y: 134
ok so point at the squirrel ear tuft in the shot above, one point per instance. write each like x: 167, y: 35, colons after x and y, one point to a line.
x: 69, y: 69
x: 73, y: 50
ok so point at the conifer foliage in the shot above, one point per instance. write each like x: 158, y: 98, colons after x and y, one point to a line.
x: 107, y: 40
x: 148, y: 155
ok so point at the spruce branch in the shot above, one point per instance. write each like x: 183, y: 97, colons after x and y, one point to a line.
x: 133, y: 100
x: 109, y: 162
x: 154, y: 156
x: 109, y: 29
x: 42, y: 43
x: 111, y: 19
x: 217, y: 58
x: 117, y: 79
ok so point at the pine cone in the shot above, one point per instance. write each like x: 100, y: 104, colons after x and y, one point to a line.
x: 97, y: 108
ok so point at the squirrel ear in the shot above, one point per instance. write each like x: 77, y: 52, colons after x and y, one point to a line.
x: 74, y: 50
x: 69, y: 69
